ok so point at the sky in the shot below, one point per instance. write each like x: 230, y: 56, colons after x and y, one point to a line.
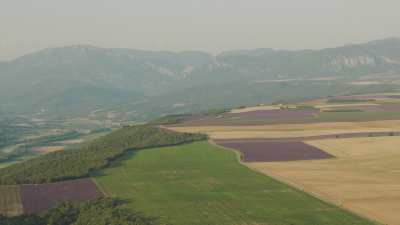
x: 207, y: 25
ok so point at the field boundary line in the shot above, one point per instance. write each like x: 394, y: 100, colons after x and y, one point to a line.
x: 101, y: 189
x: 298, y: 187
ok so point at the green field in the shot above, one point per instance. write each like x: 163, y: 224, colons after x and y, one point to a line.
x: 200, y: 184
x: 10, y: 201
x: 357, y: 116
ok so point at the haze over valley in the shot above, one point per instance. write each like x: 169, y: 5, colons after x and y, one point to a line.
x: 212, y: 112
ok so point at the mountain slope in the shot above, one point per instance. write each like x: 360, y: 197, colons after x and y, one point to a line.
x: 381, y: 56
x: 76, y: 80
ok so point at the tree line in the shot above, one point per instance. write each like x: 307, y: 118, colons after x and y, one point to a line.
x: 80, y: 162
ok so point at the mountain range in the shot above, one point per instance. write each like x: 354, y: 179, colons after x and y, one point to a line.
x: 84, y: 80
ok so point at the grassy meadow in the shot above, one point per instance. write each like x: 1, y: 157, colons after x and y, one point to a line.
x: 201, y: 184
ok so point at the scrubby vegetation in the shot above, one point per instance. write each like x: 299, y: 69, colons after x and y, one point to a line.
x: 99, y: 212
x: 78, y: 163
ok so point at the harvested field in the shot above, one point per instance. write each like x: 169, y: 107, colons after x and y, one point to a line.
x: 326, y: 105
x: 48, y: 149
x: 313, y: 138
x: 364, y: 177
x: 292, y: 130
x: 362, y: 107
x: 10, y: 201
x: 254, y: 108
x: 362, y: 97
x: 245, y: 117
x: 42, y: 197
x: 259, y: 151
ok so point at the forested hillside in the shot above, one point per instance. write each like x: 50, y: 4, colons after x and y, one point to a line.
x: 98, y: 154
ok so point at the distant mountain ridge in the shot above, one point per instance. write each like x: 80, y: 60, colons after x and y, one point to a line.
x: 376, y: 56
x: 81, y: 78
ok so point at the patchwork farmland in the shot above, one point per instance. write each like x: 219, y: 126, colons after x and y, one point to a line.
x: 338, y: 109
x: 346, y: 152
x: 200, y: 183
x: 292, y: 130
x: 363, y: 178
x: 349, y: 165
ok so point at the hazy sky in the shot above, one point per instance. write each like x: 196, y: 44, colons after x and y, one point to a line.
x: 208, y: 25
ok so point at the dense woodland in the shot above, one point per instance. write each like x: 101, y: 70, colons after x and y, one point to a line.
x: 98, y: 212
x: 78, y: 163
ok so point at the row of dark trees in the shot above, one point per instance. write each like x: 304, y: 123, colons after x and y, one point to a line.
x: 78, y: 163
